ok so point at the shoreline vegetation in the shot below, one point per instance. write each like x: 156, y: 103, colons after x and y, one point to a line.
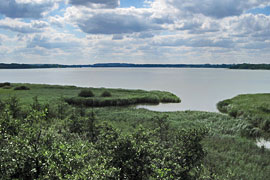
x: 44, y: 137
x: 71, y: 95
x: 129, y: 65
x: 254, y: 109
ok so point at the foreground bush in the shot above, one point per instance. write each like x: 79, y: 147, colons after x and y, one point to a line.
x: 86, y: 93
x: 33, y: 147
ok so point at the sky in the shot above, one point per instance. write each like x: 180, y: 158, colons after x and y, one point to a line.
x: 134, y: 31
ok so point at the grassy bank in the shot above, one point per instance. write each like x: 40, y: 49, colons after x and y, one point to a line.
x: 118, y: 97
x: 75, y: 142
x: 70, y: 93
x: 254, y: 109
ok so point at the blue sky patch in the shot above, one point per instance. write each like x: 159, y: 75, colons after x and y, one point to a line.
x: 265, y: 10
x: 134, y: 3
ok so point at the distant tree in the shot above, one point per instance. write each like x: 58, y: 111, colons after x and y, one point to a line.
x: 106, y: 94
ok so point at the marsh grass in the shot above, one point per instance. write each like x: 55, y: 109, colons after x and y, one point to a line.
x: 254, y: 109
x: 120, y: 97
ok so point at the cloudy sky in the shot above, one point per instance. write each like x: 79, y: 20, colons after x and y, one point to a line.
x: 134, y: 31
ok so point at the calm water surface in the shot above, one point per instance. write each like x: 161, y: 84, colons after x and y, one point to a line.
x: 199, y: 89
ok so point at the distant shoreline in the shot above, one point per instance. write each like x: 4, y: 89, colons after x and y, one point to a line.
x: 129, y: 65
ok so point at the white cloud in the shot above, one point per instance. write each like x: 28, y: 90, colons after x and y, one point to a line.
x: 25, y: 8
x: 22, y: 27
x: 112, y: 21
x: 193, y: 41
x: 213, y: 8
x: 60, y: 41
x: 57, y: 21
x: 250, y: 25
x: 96, y: 3
x: 117, y: 37
x: 168, y: 31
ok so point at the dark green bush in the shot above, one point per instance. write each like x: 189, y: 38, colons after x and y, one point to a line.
x: 5, y: 84
x: 21, y: 88
x: 14, y: 106
x: 2, y: 105
x: 62, y: 109
x: 78, y: 101
x: 106, y: 94
x: 86, y: 93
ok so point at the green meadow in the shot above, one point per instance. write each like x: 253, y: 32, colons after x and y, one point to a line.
x: 53, y: 132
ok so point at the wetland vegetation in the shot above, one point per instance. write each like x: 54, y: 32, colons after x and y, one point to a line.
x: 254, y: 109
x: 44, y: 136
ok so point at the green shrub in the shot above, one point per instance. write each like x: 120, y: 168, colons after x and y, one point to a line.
x: 14, y: 106
x: 62, y: 109
x: 106, y: 94
x: 2, y: 106
x: 21, y: 88
x: 5, y: 84
x: 78, y: 101
x: 86, y: 93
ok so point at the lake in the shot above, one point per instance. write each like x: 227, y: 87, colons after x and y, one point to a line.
x: 199, y: 89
